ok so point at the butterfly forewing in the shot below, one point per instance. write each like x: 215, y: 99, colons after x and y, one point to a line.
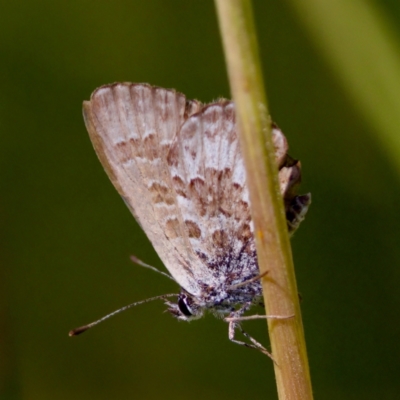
x: 132, y: 127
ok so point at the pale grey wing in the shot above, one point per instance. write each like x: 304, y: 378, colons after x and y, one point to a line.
x: 132, y: 127
x: 209, y: 177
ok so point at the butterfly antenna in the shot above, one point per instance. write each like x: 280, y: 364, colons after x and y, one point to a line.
x: 84, y: 328
x: 143, y: 264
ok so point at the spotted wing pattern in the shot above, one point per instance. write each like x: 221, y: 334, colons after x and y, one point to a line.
x: 209, y: 178
x: 132, y: 127
x: 179, y: 168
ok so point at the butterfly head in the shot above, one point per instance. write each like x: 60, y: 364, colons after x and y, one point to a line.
x: 186, y: 308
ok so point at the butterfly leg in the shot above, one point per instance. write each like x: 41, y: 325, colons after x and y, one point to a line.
x: 253, y: 345
x: 256, y: 316
x: 233, y: 319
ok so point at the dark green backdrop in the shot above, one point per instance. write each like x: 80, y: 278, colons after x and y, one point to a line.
x: 66, y: 236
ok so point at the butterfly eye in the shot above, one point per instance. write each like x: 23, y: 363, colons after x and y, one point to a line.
x: 183, y: 307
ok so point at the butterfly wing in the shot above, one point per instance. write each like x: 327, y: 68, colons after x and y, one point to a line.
x: 209, y: 177
x: 179, y: 168
x: 132, y: 127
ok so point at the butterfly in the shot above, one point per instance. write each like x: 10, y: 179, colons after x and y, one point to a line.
x: 178, y: 166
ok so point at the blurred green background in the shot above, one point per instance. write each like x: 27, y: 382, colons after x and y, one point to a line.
x: 66, y: 236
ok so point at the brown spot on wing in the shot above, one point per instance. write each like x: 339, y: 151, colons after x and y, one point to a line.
x: 173, y: 156
x: 193, y: 229
x: 220, y: 238
x: 161, y: 193
x: 151, y: 146
x: 179, y: 185
x: 172, y: 230
x: 123, y: 151
x: 244, y: 233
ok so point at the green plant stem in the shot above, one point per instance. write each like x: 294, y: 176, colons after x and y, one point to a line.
x: 273, y: 246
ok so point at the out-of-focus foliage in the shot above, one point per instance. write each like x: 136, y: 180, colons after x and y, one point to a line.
x: 66, y: 236
x: 362, y: 47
